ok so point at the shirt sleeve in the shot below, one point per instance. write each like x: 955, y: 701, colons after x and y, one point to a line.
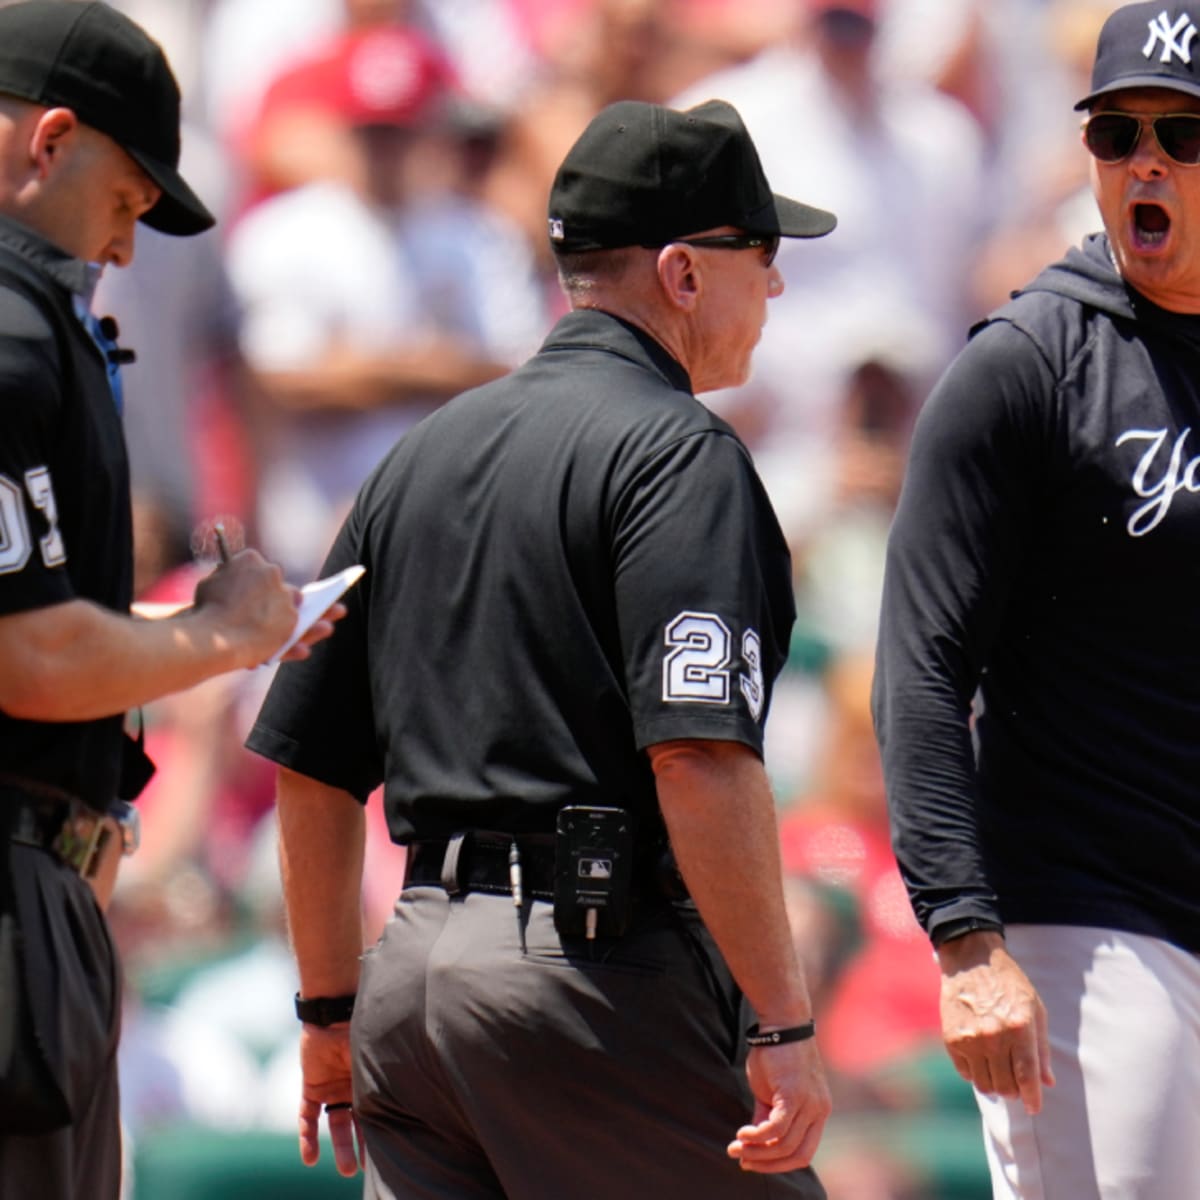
x: 703, y: 593
x: 33, y: 553
x: 979, y: 460
x: 317, y: 718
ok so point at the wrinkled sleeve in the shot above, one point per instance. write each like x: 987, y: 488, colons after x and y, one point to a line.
x: 979, y: 462
x: 318, y: 717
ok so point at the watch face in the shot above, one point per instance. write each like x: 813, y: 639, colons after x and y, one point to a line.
x: 130, y: 822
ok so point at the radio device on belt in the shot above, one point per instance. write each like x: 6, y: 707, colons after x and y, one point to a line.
x: 593, y: 871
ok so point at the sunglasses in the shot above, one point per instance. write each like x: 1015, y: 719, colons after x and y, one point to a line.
x: 768, y: 243
x: 1113, y: 136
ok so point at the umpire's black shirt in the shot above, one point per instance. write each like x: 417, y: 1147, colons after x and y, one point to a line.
x: 563, y: 567
x: 65, y: 526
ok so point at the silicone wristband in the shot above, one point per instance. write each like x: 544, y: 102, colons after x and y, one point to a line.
x: 777, y: 1037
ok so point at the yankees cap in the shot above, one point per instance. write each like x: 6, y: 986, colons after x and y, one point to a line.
x: 95, y: 61
x: 641, y: 174
x: 1147, y: 45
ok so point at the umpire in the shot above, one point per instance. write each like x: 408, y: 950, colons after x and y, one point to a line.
x: 89, y: 145
x: 559, y: 663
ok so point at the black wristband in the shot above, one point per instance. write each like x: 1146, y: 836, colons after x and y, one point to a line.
x: 324, y: 1010
x: 777, y: 1037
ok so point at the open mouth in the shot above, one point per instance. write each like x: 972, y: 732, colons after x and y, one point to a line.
x: 1151, y: 224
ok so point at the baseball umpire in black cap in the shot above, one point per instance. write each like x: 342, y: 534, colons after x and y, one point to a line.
x: 559, y: 666
x: 89, y: 145
x: 1038, y: 677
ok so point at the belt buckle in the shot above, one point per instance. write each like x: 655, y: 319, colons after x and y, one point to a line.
x: 451, y: 863
x: 79, y: 840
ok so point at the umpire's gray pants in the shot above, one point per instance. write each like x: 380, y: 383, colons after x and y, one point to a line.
x: 485, y: 1072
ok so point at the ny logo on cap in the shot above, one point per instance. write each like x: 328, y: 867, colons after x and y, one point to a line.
x: 1162, y: 30
x: 556, y: 229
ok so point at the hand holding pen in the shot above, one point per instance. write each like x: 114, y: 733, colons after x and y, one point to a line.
x: 255, y: 590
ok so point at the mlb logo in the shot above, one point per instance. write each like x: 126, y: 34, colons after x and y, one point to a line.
x: 556, y: 229
x: 595, y: 868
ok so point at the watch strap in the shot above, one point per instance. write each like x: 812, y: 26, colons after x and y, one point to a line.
x: 324, y: 1010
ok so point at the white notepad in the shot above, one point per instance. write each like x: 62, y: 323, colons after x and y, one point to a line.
x: 315, y: 599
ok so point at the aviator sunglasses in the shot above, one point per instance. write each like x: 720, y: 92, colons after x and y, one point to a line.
x: 1113, y: 136
x: 767, y: 242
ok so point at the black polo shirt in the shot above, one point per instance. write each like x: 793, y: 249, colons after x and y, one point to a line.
x: 563, y: 567
x: 65, y: 526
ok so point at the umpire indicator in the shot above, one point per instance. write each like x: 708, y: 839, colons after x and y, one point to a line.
x: 593, y: 869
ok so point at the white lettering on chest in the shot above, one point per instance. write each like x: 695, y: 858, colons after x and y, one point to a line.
x: 1159, y: 483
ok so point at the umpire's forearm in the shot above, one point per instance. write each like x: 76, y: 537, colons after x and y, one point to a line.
x: 322, y: 833
x: 716, y: 802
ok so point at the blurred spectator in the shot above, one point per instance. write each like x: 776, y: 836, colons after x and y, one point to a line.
x: 904, y: 1125
x: 902, y: 166
x: 202, y: 1055
x: 369, y: 299
x: 384, y: 74
x: 881, y: 1004
x: 860, y: 1169
x: 247, y: 43
x: 839, y: 559
x: 185, y: 417
x: 1055, y: 208
x: 488, y: 43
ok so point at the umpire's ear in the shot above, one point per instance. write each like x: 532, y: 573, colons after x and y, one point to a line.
x: 52, y: 131
x: 679, y: 276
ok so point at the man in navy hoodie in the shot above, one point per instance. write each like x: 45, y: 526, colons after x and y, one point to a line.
x: 1037, y: 694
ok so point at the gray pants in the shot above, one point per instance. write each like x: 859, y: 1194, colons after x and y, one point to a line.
x: 482, y: 1071
x: 73, y: 986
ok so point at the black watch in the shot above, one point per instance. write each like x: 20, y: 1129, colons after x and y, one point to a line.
x: 324, y: 1010
x: 947, y: 931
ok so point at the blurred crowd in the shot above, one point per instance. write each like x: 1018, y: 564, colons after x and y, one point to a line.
x: 380, y: 169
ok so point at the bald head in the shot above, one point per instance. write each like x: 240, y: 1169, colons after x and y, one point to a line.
x: 70, y: 183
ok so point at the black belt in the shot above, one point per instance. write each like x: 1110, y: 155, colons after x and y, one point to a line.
x: 478, y: 861
x: 35, y: 823
x: 71, y: 831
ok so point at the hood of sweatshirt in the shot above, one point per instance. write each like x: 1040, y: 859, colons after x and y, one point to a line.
x: 1088, y: 275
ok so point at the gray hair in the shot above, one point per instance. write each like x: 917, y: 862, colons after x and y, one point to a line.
x: 586, y: 272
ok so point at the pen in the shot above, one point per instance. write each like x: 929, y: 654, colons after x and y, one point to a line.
x: 222, y: 544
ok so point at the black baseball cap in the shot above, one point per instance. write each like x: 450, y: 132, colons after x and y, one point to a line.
x: 95, y: 61
x: 641, y: 175
x: 1147, y: 45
